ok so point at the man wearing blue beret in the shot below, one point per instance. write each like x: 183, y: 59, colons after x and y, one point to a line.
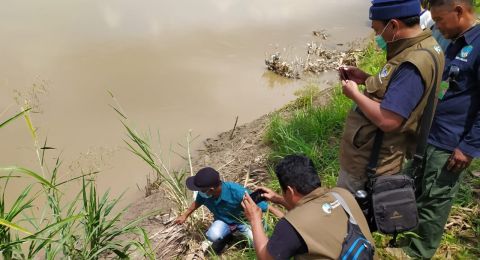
x: 394, y: 99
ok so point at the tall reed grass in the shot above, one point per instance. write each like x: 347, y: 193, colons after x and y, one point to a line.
x: 171, y: 182
x: 84, y: 227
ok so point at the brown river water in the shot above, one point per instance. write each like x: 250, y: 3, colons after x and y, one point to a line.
x: 173, y: 66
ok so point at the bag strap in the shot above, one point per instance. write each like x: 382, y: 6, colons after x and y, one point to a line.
x: 372, y: 164
x: 344, y: 206
x: 425, y: 124
x: 427, y: 117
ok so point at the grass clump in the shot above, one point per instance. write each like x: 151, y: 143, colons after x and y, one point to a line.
x: 312, y: 131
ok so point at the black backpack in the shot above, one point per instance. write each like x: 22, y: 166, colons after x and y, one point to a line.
x: 355, y: 245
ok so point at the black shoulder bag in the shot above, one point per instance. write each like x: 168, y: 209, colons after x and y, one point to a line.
x: 390, y: 205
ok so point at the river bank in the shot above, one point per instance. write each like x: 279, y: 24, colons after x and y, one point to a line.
x: 246, y: 153
x: 240, y: 155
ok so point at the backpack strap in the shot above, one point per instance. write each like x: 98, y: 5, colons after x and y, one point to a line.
x: 344, y: 206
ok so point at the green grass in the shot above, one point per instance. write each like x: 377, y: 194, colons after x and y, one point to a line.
x: 311, y: 131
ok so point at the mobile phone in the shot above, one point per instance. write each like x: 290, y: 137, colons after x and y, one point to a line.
x: 343, y: 73
x: 257, y: 196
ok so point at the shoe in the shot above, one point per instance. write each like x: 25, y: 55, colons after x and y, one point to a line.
x: 397, y: 253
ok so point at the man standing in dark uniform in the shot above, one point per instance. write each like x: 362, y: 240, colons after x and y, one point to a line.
x: 455, y: 133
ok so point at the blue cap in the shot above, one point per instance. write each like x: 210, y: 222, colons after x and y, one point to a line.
x: 389, y: 9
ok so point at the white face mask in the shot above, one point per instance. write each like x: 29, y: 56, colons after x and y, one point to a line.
x: 204, y: 195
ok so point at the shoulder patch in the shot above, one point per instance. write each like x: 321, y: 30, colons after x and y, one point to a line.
x: 438, y: 49
x: 385, y: 71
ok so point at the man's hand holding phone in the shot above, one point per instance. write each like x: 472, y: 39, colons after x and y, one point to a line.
x: 353, y: 73
x: 257, y: 196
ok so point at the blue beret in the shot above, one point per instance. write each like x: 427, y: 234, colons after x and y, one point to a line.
x: 389, y: 9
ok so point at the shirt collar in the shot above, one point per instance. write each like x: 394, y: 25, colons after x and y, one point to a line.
x: 222, y: 194
x: 318, y: 192
x: 396, y: 47
x: 471, y: 34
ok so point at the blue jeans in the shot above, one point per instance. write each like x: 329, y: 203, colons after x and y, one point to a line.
x: 219, y: 230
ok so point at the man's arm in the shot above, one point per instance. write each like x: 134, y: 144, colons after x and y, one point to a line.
x: 275, y: 211
x: 384, y: 119
x: 285, y: 241
x: 182, y: 218
x: 405, y: 91
x: 254, y: 215
x: 274, y: 197
x: 468, y: 148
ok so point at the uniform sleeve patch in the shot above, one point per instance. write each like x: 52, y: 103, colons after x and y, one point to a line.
x: 385, y: 71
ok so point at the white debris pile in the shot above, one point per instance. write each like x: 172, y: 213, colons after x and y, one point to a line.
x: 282, y: 67
x: 318, y: 59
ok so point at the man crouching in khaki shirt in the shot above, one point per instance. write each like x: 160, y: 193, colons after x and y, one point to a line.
x: 310, y: 229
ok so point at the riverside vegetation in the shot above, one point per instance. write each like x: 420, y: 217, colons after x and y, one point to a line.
x: 86, y: 228
x: 312, y: 125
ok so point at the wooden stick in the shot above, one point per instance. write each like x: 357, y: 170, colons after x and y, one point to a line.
x: 233, y: 130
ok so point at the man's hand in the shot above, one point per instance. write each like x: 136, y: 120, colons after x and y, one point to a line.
x: 180, y: 219
x: 254, y: 215
x: 353, y: 73
x: 271, y: 196
x: 350, y: 88
x: 458, y: 161
x: 252, y: 212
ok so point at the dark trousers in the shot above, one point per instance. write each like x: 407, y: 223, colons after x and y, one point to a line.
x: 436, y: 188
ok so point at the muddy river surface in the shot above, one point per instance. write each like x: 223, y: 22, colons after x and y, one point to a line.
x: 173, y: 65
